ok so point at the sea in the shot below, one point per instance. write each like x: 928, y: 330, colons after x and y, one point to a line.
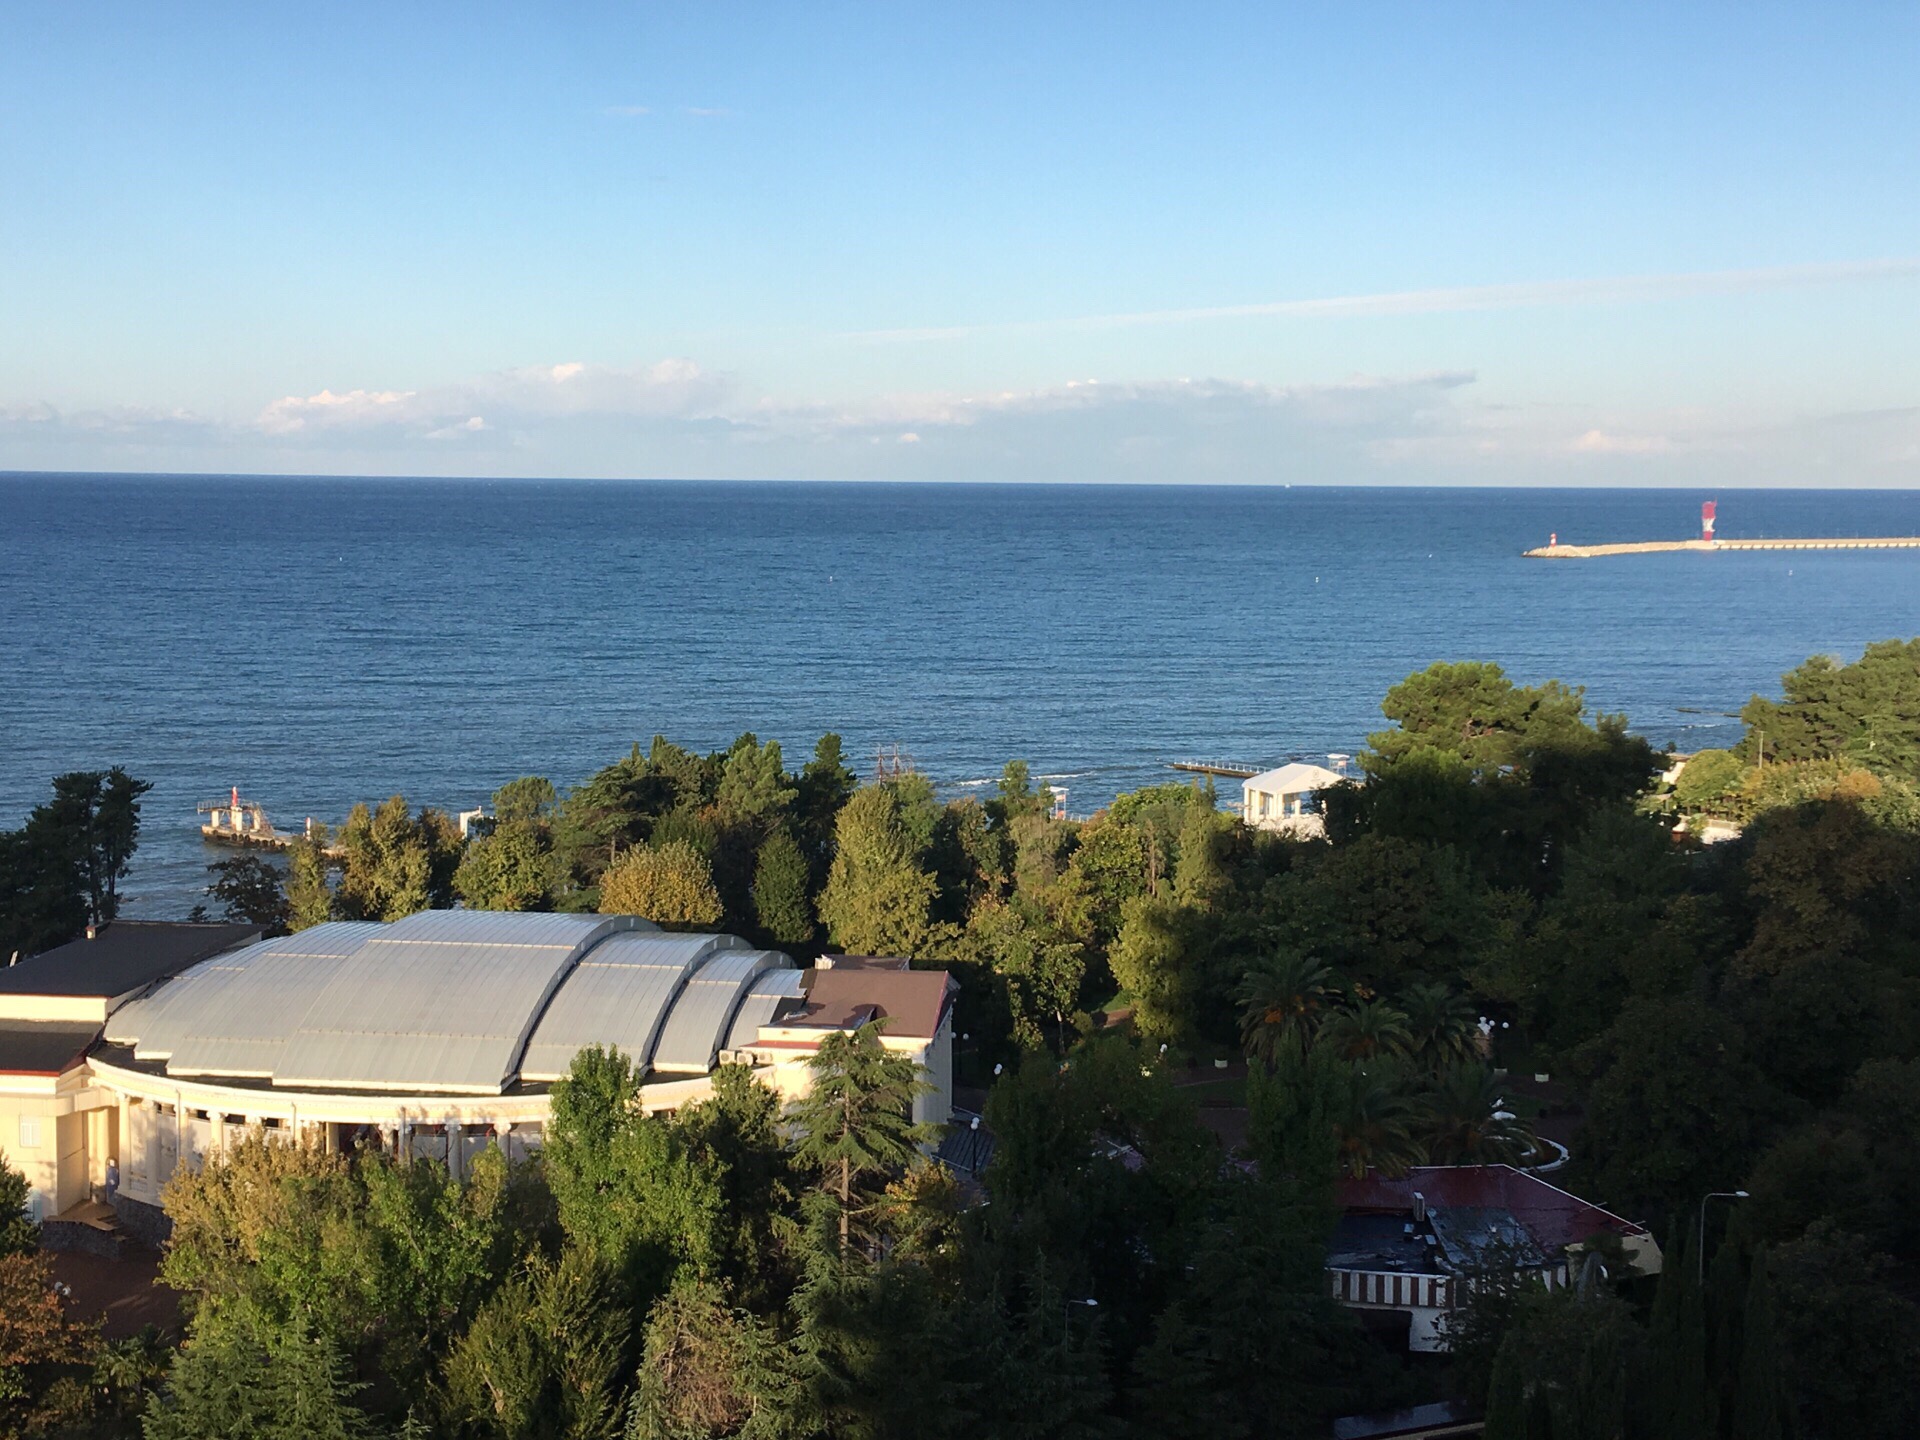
x: 320, y: 641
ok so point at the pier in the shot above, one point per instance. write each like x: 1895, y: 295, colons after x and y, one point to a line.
x: 244, y: 823
x: 1654, y: 547
x: 1710, y: 543
x: 1225, y: 769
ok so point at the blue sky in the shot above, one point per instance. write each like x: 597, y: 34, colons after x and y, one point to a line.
x: 1407, y: 243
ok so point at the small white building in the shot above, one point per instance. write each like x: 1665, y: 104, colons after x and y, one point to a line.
x: 1287, y: 799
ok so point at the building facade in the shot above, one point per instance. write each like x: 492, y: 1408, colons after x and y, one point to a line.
x: 432, y: 1036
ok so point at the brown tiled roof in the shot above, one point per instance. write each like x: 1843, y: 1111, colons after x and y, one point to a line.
x: 909, y: 1002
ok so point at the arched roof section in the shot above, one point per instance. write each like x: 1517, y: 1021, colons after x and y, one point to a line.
x: 442, y: 1001
x: 698, y: 1024
x: 231, y: 1014
x: 618, y: 996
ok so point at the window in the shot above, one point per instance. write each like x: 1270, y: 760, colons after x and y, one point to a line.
x: 29, y: 1132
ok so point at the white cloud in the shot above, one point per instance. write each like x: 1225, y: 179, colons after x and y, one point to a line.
x: 1526, y: 294
x: 1599, y: 442
x: 674, y: 418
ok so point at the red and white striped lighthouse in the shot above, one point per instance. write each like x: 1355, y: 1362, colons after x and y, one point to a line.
x: 1706, y: 521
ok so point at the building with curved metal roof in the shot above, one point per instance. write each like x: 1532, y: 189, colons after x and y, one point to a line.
x: 433, y: 1035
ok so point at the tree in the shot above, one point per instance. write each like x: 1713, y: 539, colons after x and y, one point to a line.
x: 879, y: 893
x: 824, y: 787
x: 1377, y: 1126
x: 710, y: 1370
x: 396, y: 863
x: 671, y: 886
x: 753, y: 781
x: 780, y: 882
x: 856, y: 1127
x: 1673, y: 1104
x: 63, y: 868
x: 1474, y: 711
x: 1283, y: 1001
x: 310, y: 899
x: 1252, y: 1345
x: 1041, y: 972
x: 1368, y: 1030
x: 18, y: 1233
x: 1157, y: 962
x: 250, y: 890
x: 543, y: 1356
x: 1466, y: 1122
x: 1867, y: 712
x: 239, y: 1374
x: 1441, y: 1026
x: 1709, y: 779
x: 97, y: 812
x: 631, y: 1188
x: 1763, y: 1406
x: 37, y: 1338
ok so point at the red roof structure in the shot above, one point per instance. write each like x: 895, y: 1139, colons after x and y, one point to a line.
x: 1555, y: 1218
x: 848, y: 991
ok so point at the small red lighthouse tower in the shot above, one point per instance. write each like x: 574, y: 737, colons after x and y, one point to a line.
x: 1706, y: 521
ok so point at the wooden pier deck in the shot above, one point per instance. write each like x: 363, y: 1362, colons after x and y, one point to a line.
x: 1650, y: 547
x: 1225, y: 769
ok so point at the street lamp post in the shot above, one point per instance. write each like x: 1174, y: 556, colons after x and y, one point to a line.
x: 1700, y: 1239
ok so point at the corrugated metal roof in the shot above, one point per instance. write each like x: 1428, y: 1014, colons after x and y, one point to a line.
x: 768, y: 992
x: 618, y: 995
x: 701, y: 1017
x: 446, y: 1006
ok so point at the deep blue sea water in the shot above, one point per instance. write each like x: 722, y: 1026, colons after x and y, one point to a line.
x: 321, y: 641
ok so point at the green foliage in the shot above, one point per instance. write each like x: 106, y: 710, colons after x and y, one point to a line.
x: 544, y: 1356
x: 1708, y: 781
x: 1156, y: 962
x: 633, y: 1192
x: 753, y: 780
x: 241, y: 1374
x: 250, y: 889
x: 711, y: 1369
x: 1673, y: 1104
x: 63, y: 868
x: 395, y: 862
x: 18, y: 1234
x: 511, y: 863
x: 780, y: 883
x: 1867, y: 712
x: 1473, y: 711
x: 1042, y: 973
x: 310, y: 899
x: 856, y: 1129
x: 879, y: 894
x: 671, y: 885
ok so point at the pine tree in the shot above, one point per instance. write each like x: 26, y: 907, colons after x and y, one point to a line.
x: 879, y: 894
x: 856, y: 1128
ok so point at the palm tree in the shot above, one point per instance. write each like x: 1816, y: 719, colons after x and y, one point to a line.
x: 1283, y: 1003
x: 1465, y: 1121
x: 1369, y: 1030
x: 1441, y: 1024
x: 1376, y: 1127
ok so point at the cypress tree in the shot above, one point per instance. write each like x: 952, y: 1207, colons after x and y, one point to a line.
x: 780, y: 890
x: 1726, y: 1298
x: 1762, y: 1409
x: 1507, y: 1398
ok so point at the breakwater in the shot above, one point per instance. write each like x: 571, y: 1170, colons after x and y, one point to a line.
x: 1651, y: 547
